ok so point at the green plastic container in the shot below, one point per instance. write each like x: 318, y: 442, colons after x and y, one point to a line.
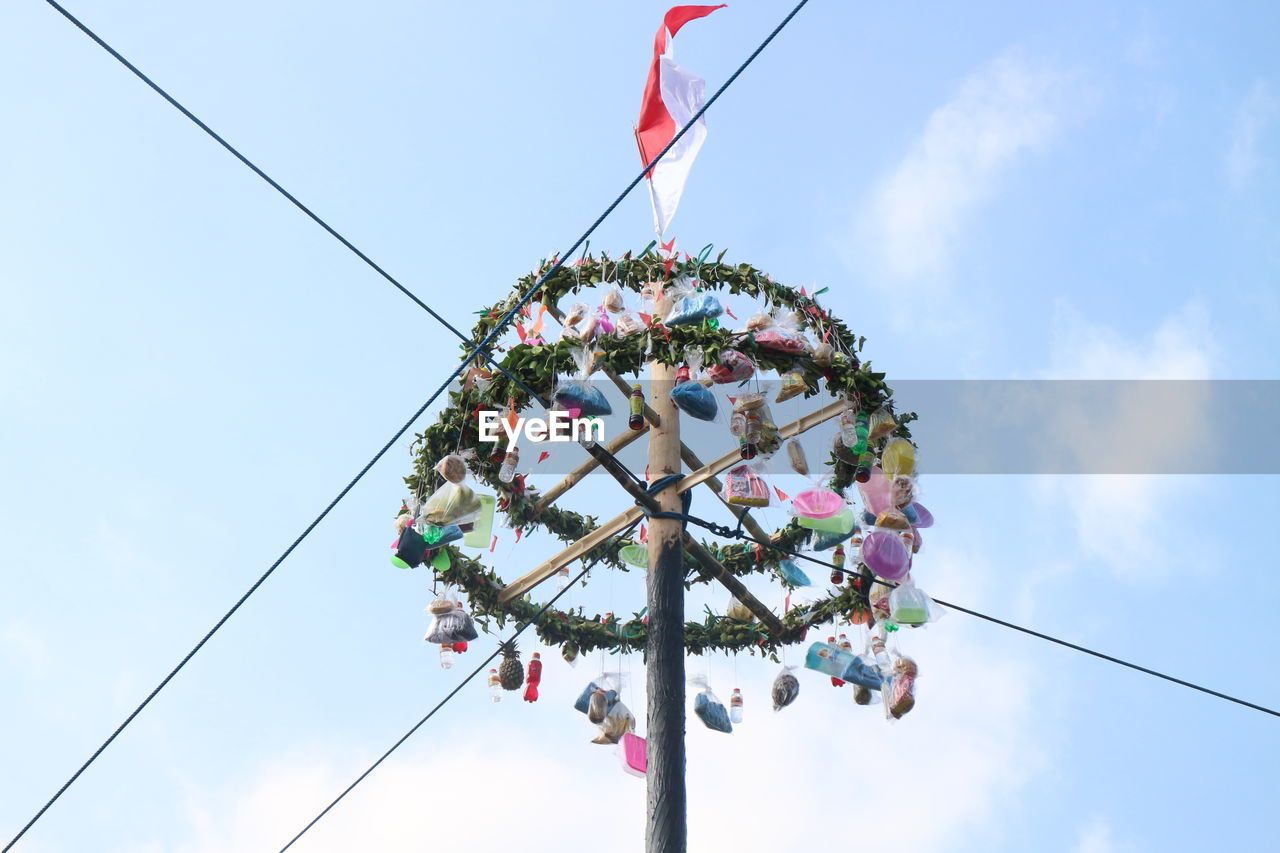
x: 478, y: 536
x: 841, y: 522
x: 635, y: 555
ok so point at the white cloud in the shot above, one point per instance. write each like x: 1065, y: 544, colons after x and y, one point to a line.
x: 1130, y: 523
x: 1256, y: 113
x: 1001, y: 112
x: 1095, y: 837
x: 771, y: 785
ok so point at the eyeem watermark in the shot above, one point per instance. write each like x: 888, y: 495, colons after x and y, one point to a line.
x: 559, y: 425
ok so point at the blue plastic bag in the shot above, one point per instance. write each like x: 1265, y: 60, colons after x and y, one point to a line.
x: 822, y: 539
x: 710, y: 709
x: 792, y: 575
x: 695, y: 400
x: 581, y: 394
x: 694, y: 308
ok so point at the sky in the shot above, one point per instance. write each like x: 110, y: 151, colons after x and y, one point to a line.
x: 190, y: 370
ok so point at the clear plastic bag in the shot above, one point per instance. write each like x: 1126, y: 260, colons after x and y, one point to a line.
x: 708, y: 708
x: 759, y: 322
x: 784, y: 335
x: 898, y: 458
x: 900, y: 687
x: 881, y: 423
x: 733, y: 367
x: 786, y: 687
x: 743, y: 486
x: 823, y: 354
x: 455, y: 626
x: 618, y: 721
x: 613, y: 301
x: 607, y: 686
x: 793, y: 385
x: 693, y: 306
x: 578, y: 392
x: 628, y: 324
x: 908, y: 605
x: 452, y: 503
x: 739, y: 612
x: 795, y: 455
x: 453, y: 468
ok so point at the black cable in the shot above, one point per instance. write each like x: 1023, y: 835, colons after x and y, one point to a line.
x: 288, y: 195
x: 481, y: 346
x: 722, y: 530
x: 616, y: 538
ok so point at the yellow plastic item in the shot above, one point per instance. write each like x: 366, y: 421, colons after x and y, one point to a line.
x: 898, y: 459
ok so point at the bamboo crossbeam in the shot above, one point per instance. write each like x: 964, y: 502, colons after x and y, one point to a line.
x: 607, y: 529
x: 577, y: 474
x: 707, y: 564
x: 686, y: 455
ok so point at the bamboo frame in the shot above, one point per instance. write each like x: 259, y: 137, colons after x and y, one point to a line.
x: 530, y: 579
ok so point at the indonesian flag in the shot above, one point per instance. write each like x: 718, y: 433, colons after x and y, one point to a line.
x: 671, y: 97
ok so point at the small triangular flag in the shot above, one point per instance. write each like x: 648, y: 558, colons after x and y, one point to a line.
x: 519, y: 533
x: 782, y: 496
x: 730, y: 313
x: 543, y: 456
x: 644, y: 533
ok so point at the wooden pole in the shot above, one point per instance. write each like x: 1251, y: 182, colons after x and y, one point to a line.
x: 665, y: 830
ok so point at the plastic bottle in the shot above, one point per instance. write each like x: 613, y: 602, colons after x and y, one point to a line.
x: 499, y: 453
x: 682, y: 374
x: 848, y: 434
x: 507, y: 472
x: 533, y: 678
x: 446, y: 655
x: 562, y: 578
x: 735, y: 706
x: 837, y: 560
x: 878, y: 651
x: 862, y: 473
x: 750, y: 437
x: 737, y: 423
x: 861, y: 430
x: 636, y: 404
x: 495, y: 686
x: 855, y: 549
x: 835, y: 682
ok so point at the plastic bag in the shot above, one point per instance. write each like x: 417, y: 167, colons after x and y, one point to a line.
x: 902, y: 492
x: 739, y: 612
x: 840, y: 523
x: 793, y: 385
x: 733, y: 367
x: 792, y: 574
x: 748, y: 402
x: 770, y: 440
x: 659, y: 297
x: 908, y: 605
x: 613, y: 301
x: 817, y: 503
x: 437, y: 536
x: 886, y: 555
x: 822, y: 539
x: 578, y: 392
x: 633, y: 754
x: 900, y: 688
x: 576, y: 314
x: 604, y: 684
x: 823, y: 354
x: 452, y: 503
x: 693, y: 307
x: 710, y: 709
x: 842, y: 664
x: 898, y: 458
x: 784, y: 335
x: 692, y: 397
x: 618, y: 721
x: 786, y: 687
x: 759, y: 322
x: 744, y: 487
x: 454, y: 626
x: 627, y: 324
x: 453, y: 468
x: 795, y: 455
x: 881, y: 424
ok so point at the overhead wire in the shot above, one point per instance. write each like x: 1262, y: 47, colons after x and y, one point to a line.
x: 454, y: 692
x: 474, y: 348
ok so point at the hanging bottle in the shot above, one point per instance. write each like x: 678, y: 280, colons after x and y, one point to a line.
x: 862, y: 473
x: 735, y: 706
x: 750, y: 438
x: 835, y: 682
x: 737, y: 423
x: 837, y: 562
x: 682, y: 374
x: 495, y: 686
x: 848, y: 434
x: 562, y: 578
x: 878, y: 651
x: 446, y: 655
x: 499, y: 452
x: 861, y: 431
x: 636, y: 403
x: 507, y: 472
x: 533, y: 678
x: 855, y: 549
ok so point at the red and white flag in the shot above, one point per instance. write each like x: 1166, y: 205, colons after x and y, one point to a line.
x: 671, y: 97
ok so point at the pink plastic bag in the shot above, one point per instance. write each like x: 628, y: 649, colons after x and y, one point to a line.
x: 632, y: 754
x: 817, y: 503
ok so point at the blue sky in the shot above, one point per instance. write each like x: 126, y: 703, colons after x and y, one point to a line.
x: 189, y: 370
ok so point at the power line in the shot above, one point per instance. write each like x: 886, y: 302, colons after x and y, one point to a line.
x: 481, y: 346
x: 739, y: 533
x: 275, y: 185
x: 618, y: 537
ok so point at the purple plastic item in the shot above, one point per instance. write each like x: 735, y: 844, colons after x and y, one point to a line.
x: 924, y: 518
x: 885, y: 555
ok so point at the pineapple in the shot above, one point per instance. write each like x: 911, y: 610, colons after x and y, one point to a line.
x: 511, y: 672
